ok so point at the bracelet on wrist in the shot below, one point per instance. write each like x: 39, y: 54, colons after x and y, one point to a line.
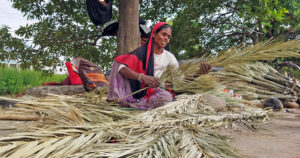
x: 140, y: 77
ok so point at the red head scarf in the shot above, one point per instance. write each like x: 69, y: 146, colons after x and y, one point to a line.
x: 156, y: 26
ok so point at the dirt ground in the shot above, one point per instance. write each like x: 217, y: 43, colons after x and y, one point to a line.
x: 280, y: 138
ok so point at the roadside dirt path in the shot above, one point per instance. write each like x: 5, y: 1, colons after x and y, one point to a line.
x: 280, y: 138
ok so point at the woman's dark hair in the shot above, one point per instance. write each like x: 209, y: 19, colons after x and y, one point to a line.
x: 163, y: 27
x: 145, y: 35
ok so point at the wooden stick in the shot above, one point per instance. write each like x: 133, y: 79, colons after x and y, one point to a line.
x: 133, y: 93
x: 19, y: 117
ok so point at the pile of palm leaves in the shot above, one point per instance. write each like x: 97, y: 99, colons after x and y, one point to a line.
x: 179, y: 129
x: 238, y: 64
x: 258, y: 81
x: 88, y: 126
x: 68, y: 110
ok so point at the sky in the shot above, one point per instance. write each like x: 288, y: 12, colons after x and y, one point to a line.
x: 13, y: 18
x: 10, y: 16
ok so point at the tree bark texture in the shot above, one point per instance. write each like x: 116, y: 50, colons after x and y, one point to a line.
x: 128, y: 34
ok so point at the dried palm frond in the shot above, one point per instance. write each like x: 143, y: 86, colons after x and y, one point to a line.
x: 255, y: 81
x: 68, y: 110
x: 159, y: 146
x: 269, y: 50
x: 189, y: 109
x: 46, y: 142
x: 208, y: 143
x: 180, y: 143
x: 201, y: 84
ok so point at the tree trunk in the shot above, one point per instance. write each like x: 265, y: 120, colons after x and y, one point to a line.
x: 128, y: 34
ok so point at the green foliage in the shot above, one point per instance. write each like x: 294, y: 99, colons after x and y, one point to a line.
x: 203, y: 26
x: 13, y: 81
x: 291, y: 72
x: 10, y: 46
x: 241, y: 21
x: 63, y: 28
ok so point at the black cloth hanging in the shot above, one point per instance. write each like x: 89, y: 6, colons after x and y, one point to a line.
x: 100, y: 11
x: 111, y: 28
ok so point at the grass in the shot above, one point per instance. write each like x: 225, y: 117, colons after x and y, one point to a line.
x: 14, y: 81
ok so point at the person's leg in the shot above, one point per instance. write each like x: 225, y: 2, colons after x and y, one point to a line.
x: 119, y: 88
x: 159, y: 98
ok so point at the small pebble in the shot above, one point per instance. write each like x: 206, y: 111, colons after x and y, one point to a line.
x: 289, y: 110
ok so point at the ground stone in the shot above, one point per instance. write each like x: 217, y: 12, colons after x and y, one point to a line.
x: 217, y: 103
x: 41, y: 91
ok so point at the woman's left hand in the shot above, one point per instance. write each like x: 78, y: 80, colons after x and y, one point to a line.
x: 204, y: 68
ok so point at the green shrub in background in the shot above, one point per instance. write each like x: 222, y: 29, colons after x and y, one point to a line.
x: 14, y: 81
x: 291, y: 72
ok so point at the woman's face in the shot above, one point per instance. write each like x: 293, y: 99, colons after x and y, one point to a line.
x: 162, y: 38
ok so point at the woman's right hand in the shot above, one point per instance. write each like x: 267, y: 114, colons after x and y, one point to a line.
x: 150, y: 81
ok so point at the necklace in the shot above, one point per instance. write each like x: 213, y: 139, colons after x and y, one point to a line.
x: 157, y: 59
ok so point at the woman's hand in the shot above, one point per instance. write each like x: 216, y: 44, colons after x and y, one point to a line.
x: 204, y: 68
x: 150, y: 81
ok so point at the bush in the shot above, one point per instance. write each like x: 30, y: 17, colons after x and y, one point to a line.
x: 13, y: 81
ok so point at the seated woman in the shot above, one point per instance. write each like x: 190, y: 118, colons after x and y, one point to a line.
x: 142, y: 68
